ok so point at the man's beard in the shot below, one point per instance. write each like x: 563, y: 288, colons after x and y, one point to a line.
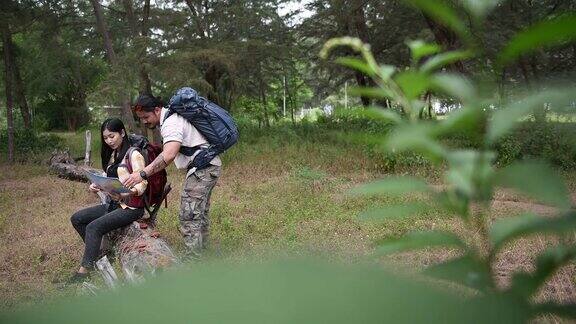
x: 149, y: 126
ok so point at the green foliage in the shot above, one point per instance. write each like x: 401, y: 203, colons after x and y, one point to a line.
x: 467, y: 270
x: 443, y: 13
x: 510, y: 228
x: 275, y: 292
x: 392, y: 186
x: 357, y: 119
x: 470, y: 176
x: 553, y: 142
x: 420, y: 240
x: 553, y: 32
x: 29, y: 145
x: 536, y: 180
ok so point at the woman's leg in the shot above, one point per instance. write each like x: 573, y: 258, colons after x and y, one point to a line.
x: 83, y: 217
x: 97, y: 228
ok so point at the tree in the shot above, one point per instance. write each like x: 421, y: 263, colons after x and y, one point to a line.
x: 8, y: 83
x: 386, y: 25
x: 112, y: 59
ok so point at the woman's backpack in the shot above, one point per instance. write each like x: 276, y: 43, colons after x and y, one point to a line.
x: 211, y: 120
x: 157, y: 189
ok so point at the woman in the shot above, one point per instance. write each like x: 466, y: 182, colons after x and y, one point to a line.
x: 93, y: 222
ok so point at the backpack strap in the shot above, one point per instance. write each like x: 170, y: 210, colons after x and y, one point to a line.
x: 126, y: 159
x: 153, y: 210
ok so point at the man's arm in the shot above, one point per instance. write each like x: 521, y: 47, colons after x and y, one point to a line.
x: 169, y: 152
x: 163, y: 160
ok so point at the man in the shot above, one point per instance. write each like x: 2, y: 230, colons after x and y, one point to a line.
x: 195, y: 199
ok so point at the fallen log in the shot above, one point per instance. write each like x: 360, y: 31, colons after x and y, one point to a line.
x: 141, y: 251
x: 65, y: 166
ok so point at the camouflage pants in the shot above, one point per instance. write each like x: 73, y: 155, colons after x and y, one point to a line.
x: 194, y: 207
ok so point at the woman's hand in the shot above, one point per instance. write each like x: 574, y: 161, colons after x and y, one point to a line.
x: 93, y: 188
x: 120, y: 196
x: 114, y: 196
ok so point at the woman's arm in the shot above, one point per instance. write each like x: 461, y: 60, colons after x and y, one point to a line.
x: 138, y: 164
x: 169, y: 152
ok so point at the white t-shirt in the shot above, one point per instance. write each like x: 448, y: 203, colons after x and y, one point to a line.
x: 177, y: 129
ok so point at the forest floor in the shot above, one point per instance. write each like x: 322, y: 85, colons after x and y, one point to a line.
x: 273, y: 199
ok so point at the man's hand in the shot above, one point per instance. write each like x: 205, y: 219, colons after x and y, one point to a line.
x: 132, y: 180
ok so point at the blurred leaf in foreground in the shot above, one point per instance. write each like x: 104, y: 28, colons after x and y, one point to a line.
x: 281, y: 292
x: 392, y: 186
x: 548, y: 33
x: 537, y: 180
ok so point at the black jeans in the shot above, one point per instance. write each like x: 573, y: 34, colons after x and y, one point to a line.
x: 93, y: 222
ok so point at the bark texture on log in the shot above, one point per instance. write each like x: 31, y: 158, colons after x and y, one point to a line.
x: 65, y: 166
x: 141, y: 251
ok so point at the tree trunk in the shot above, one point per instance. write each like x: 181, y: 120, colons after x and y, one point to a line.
x: 112, y: 59
x: 140, y: 46
x: 8, y: 79
x: 196, y: 17
x: 103, y: 30
x: 141, y: 40
x: 19, y: 88
x: 447, y: 39
x: 264, y: 103
x: 145, y: 83
x: 361, y: 80
x: 359, y: 24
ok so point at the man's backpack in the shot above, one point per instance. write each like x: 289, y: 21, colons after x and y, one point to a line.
x: 211, y: 120
x: 157, y: 189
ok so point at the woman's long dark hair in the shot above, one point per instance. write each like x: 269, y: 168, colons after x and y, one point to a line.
x: 113, y: 125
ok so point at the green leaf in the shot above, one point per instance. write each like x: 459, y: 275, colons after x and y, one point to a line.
x: 466, y: 270
x: 442, y: 13
x: 356, y: 64
x: 505, y: 119
x: 416, y: 137
x: 413, y: 84
x: 562, y: 310
x: 392, y: 186
x: 466, y: 119
x: 393, y: 211
x: 377, y: 93
x: 419, y: 49
x: 444, y: 59
x: 386, y: 71
x: 526, y: 284
x: 419, y: 240
x: 387, y: 114
x: 507, y: 229
x: 455, y: 85
x: 537, y: 180
x: 469, y: 172
x: 547, y: 33
x: 455, y: 202
x: 479, y: 8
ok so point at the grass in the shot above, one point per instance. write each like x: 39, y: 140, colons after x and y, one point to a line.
x: 282, y: 192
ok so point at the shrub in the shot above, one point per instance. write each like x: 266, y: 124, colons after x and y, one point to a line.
x: 29, y: 145
x: 357, y: 118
